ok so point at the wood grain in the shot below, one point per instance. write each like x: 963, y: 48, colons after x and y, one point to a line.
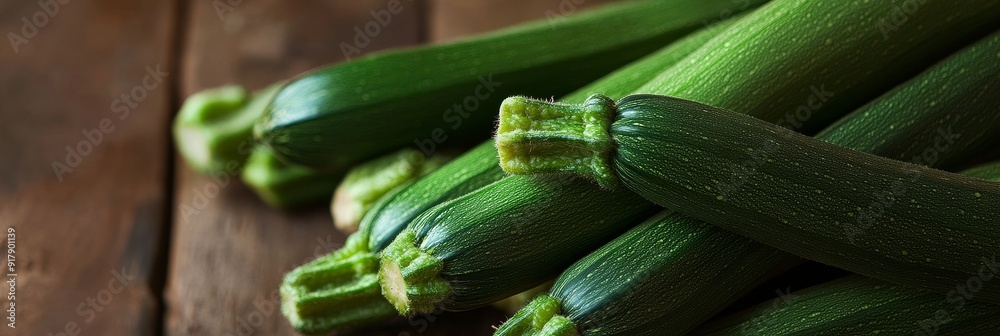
x: 451, y: 19
x: 228, y: 257
x: 104, y: 213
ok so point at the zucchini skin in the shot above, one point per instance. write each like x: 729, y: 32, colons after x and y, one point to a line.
x: 473, y: 243
x: 652, y: 280
x: 777, y: 204
x: 391, y: 214
x: 390, y: 100
x: 988, y: 171
x: 606, y: 293
x: 857, y: 305
x: 783, y: 63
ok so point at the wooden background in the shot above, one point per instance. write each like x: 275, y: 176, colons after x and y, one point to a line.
x: 114, y: 216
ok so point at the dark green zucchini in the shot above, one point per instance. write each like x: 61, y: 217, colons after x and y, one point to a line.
x: 857, y: 305
x: 431, y: 95
x: 804, y: 196
x: 500, y: 240
x: 609, y: 291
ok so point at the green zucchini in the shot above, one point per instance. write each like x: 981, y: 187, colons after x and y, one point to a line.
x: 607, y: 293
x: 620, y: 82
x: 857, y: 305
x: 459, y: 256
x: 989, y: 172
x: 804, y: 188
x: 365, y: 184
x: 447, y: 93
x: 648, y: 281
x: 213, y: 130
x: 286, y: 186
x: 340, y: 289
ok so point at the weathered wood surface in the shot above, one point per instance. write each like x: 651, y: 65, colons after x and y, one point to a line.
x: 88, y: 221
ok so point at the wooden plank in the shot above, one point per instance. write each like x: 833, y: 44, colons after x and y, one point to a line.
x: 228, y: 258
x: 88, y: 220
x: 450, y: 19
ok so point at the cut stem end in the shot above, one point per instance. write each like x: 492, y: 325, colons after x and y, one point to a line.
x: 411, y: 278
x: 537, y: 137
x: 335, y: 291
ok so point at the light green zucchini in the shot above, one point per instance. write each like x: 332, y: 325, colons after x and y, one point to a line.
x: 213, y: 130
x: 285, y: 186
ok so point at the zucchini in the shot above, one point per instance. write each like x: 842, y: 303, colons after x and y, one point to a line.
x: 286, y: 186
x: 649, y: 281
x: 619, y: 82
x: 446, y: 93
x: 989, y: 172
x: 802, y: 187
x: 213, y: 130
x: 607, y: 293
x: 341, y: 290
x: 365, y: 184
x: 458, y: 256
x: 857, y: 305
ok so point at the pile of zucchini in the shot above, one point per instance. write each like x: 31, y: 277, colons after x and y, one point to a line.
x: 646, y: 172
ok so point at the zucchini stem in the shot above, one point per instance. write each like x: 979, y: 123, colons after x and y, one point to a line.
x: 213, y: 129
x: 366, y: 184
x: 286, y: 186
x: 410, y: 277
x: 539, y: 318
x: 335, y: 291
x: 536, y: 136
